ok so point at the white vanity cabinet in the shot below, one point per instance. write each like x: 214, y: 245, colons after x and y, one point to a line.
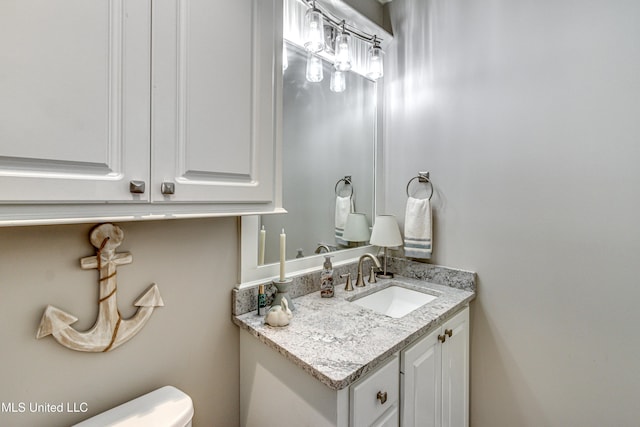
x: 425, y: 384
x: 275, y: 392
x: 127, y: 108
x: 435, y: 377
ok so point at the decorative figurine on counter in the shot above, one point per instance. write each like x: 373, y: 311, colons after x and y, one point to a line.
x: 279, y: 315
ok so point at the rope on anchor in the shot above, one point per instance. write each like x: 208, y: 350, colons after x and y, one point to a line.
x: 99, y: 253
x: 115, y: 288
x: 108, y: 277
x: 99, y: 258
x: 115, y: 333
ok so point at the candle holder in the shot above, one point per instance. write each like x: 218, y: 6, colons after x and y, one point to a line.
x: 283, y: 292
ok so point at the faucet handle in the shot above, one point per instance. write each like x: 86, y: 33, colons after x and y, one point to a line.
x: 372, y: 275
x: 347, y: 286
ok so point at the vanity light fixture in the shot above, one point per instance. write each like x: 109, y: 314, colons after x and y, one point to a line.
x: 314, y: 68
x: 338, y: 81
x: 342, y: 49
x: 323, y: 32
x: 375, y: 69
x: 386, y: 234
x: 313, y: 30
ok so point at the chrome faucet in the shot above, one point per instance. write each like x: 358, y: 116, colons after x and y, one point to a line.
x: 322, y: 246
x: 372, y: 277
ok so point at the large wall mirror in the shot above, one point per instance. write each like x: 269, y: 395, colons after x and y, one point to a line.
x: 329, y: 150
x: 327, y: 136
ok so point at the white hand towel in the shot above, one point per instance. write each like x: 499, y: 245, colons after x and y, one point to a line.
x: 417, y: 228
x: 344, y: 207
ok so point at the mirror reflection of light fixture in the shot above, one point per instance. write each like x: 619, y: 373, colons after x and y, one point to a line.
x: 338, y: 81
x: 375, y: 69
x: 314, y: 69
x: 386, y: 234
x: 313, y: 30
x: 356, y: 228
x: 285, y: 57
x: 342, y: 49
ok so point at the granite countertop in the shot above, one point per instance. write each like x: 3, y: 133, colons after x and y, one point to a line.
x: 338, y: 342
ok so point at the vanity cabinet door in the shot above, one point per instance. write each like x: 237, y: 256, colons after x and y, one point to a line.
x: 435, y: 377
x: 421, y: 379
x: 74, y: 110
x: 455, y: 371
x: 215, y: 78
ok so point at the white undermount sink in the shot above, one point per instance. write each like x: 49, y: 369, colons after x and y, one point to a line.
x: 394, y: 301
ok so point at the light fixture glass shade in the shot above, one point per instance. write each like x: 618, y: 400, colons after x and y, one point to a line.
x: 314, y: 69
x: 356, y: 228
x: 375, y: 69
x: 285, y: 57
x: 386, y: 232
x: 342, y: 50
x: 338, y: 81
x: 313, y: 30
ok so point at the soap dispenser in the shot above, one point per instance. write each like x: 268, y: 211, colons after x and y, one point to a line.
x: 326, y: 278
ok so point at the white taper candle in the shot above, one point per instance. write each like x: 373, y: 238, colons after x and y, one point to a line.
x: 283, y: 251
x: 261, y: 243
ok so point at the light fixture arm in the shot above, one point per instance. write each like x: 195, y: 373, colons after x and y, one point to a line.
x: 341, y: 24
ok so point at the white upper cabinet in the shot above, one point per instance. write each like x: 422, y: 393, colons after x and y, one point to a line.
x: 132, y: 109
x: 213, y: 97
x: 74, y: 104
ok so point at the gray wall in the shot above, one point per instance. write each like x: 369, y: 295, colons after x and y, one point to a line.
x: 372, y: 9
x: 190, y: 343
x: 527, y: 114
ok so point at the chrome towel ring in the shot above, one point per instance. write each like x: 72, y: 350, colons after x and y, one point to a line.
x: 423, y: 177
x: 347, y: 181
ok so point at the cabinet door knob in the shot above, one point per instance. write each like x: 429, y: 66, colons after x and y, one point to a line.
x: 136, y: 187
x: 442, y: 338
x: 448, y: 332
x: 167, y: 188
x: 382, y: 397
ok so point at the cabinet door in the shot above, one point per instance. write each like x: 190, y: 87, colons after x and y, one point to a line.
x: 455, y: 371
x: 74, y: 110
x: 421, y: 383
x: 215, y: 77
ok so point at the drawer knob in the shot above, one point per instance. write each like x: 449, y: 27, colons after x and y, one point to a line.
x: 448, y: 332
x: 442, y: 338
x: 382, y: 397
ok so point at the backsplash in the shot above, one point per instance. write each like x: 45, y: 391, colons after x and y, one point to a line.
x: 446, y: 276
x: 246, y: 300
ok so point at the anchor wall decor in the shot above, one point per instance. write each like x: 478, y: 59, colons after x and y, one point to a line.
x: 110, y: 329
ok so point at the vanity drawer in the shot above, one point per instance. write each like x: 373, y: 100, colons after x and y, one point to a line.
x: 376, y: 394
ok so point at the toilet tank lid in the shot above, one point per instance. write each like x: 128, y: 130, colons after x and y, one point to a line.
x: 166, y: 406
